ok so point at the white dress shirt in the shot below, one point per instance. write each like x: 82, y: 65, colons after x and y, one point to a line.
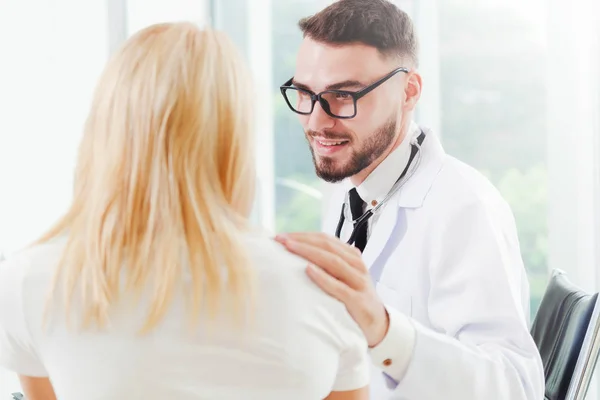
x: 380, y: 181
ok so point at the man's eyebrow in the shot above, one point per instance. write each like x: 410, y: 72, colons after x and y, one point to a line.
x: 346, y: 85
x: 335, y: 86
x: 300, y: 85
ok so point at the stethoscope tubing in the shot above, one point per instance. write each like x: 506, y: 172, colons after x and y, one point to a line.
x: 407, y: 173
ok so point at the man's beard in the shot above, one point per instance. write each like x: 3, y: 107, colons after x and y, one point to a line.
x: 372, y: 149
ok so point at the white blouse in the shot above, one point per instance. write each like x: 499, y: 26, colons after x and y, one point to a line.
x: 303, y: 344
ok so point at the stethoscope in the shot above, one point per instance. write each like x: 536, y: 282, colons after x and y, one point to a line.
x: 408, y: 171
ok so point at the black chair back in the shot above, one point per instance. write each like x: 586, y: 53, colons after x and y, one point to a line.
x: 565, y: 330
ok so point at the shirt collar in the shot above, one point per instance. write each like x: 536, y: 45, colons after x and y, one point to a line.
x: 379, y: 182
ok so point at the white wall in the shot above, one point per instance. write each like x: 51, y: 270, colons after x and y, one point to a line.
x: 142, y: 13
x: 49, y: 63
x: 574, y: 140
x: 259, y: 54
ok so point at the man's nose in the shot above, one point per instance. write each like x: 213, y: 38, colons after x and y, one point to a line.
x: 319, y: 120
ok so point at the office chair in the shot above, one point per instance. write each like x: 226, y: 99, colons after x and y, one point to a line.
x: 566, y: 331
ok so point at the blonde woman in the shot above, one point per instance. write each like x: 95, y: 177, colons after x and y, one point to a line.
x: 153, y: 285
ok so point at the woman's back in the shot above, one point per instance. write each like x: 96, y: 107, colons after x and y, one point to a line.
x: 299, y: 344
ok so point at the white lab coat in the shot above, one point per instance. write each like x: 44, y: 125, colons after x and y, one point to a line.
x: 445, y: 253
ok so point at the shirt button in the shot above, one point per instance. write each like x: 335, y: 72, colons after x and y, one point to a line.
x: 387, y: 362
x: 374, y: 203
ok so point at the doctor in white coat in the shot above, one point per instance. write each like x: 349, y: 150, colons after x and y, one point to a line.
x: 434, y: 277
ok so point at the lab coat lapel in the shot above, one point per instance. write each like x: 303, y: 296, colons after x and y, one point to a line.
x: 410, y: 195
x: 381, y: 234
x: 334, y: 210
x: 414, y: 192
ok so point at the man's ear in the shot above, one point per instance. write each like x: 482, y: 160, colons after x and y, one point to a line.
x: 412, y: 90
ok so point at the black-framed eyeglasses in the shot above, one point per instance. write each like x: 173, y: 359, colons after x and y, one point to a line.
x: 336, y: 103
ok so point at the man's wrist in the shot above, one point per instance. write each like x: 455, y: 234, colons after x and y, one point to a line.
x: 393, y: 354
x: 381, y: 330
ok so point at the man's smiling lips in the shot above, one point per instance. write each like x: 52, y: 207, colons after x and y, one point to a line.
x: 327, y: 147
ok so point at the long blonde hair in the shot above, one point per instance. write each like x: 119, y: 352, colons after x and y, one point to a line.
x: 164, y: 180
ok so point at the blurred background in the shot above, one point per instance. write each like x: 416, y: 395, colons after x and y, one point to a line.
x: 511, y: 86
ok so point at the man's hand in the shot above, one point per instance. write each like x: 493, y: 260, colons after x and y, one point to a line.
x: 338, y: 269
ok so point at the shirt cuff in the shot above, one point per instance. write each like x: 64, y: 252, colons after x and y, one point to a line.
x: 393, y: 354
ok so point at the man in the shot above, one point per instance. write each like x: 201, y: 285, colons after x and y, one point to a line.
x: 434, y: 277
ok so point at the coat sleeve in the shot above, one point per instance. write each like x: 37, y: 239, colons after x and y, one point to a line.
x: 478, y: 344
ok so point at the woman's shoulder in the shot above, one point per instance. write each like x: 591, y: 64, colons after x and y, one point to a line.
x: 284, y: 285
x: 283, y: 274
x: 26, y: 272
x: 270, y: 256
x: 36, y: 262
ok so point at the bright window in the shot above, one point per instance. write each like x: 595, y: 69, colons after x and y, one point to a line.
x: 494, y: 109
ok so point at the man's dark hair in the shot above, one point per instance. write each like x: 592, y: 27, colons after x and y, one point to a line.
x: 376, y: 23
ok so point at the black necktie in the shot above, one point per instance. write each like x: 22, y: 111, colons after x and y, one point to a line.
x: 357, y: 207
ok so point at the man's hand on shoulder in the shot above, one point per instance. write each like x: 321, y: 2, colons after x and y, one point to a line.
x: 338, y: 269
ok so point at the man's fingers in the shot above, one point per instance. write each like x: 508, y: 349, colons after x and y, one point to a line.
x: 329, y: 284
x: 330, y: 262
x: 348, y: 253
